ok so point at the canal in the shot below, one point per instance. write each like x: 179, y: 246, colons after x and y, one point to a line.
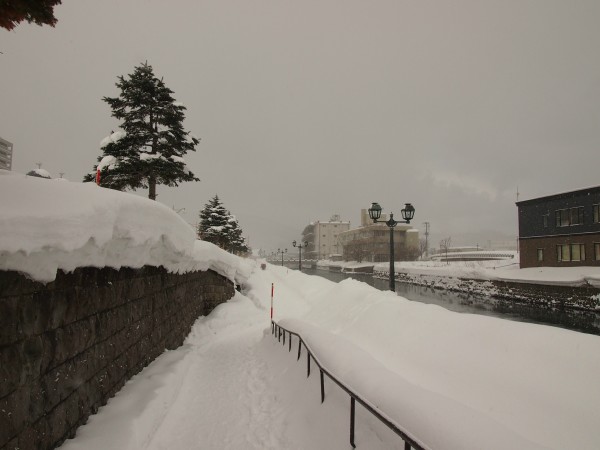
x: 583, y: 321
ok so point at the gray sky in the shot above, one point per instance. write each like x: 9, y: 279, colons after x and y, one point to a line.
x: 316, y: 107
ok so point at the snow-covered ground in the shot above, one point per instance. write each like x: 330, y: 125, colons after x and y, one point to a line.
x: 452, y: 381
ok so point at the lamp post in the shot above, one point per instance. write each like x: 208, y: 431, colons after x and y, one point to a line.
x: 282, y: 252
x: 408, y: 212
x: 300, y: 247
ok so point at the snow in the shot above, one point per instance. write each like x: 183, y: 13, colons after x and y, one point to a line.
x: 450, y: 380
x: 150, y: 156
x: 68, y: 225
x: 113, y: 137
x: 43, y: 173
x: 502, y: 270
x: 107, y: 161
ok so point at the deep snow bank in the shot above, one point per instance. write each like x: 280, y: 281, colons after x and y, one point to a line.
x: 46, y: 225
x: 457, y: 380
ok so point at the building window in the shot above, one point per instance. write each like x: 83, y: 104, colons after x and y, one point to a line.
x: 571, y: 252
x: 540, y: 254
x: 545, y: 220
x: 577, y: 215
x: 571, y: 216
x: 597, y: 251
x: 596, y: 213
x: 561, y: 218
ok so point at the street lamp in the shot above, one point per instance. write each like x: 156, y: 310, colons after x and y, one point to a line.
x: 300, y: 247
x: 282, y: 252
x: 408, y: 212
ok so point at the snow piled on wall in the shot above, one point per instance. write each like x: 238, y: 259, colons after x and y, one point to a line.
x: 47, y: 226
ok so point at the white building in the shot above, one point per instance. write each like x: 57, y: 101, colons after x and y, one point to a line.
x: 323, y: 238
x: 6, y: 150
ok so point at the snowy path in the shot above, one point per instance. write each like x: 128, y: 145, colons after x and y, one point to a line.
x: 212, y: 393
x: 241, y: 415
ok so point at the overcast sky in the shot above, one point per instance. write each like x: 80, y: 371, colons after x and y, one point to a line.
x: 317, y: 107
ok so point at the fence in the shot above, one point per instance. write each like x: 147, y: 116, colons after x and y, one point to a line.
x: 279, y: 332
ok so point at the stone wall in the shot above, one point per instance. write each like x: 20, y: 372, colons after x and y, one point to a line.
x: 584, y: 297
x: 68, y: 346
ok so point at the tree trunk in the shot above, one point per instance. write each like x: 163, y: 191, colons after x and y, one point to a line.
x: 152, y: 186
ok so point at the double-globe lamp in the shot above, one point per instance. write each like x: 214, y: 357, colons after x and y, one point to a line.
x: 300, y: 247
x: 408, y: 213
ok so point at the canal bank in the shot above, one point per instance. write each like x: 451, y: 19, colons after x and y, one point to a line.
x: 512, y: 301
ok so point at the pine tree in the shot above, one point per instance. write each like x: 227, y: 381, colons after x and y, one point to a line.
x: 149, y: 148
x: 214, y: 223
x: 219, y: 226
x: 40, y: 12
x: 237, y: 243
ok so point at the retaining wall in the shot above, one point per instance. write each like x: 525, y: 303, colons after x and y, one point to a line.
x: 68, y: 346
x: 584, y: 297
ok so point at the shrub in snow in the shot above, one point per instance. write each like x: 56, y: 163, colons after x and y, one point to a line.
x: 41, y: 173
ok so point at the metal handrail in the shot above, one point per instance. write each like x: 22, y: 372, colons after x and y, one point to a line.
x: 409, y: 442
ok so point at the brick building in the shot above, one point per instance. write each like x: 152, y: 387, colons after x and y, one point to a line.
x: 560, y: 230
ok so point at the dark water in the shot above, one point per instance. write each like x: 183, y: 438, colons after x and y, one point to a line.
x: 583, y: 321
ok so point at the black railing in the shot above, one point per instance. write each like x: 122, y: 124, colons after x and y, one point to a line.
x: 280, y: 334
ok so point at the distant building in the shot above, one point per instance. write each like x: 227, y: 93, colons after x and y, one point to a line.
x: 323, y: 238
x: 560, y: 230
x: 6, y: 150
x: 371, y: 241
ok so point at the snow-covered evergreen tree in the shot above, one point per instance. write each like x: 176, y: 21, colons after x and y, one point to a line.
x: 149, y: 148
x: 214, y: 225
x: 219, y: 226
x: 237, y: 243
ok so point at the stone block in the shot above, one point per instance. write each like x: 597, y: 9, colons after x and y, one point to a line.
x: 31, y: 358
x: 14, y: 413
x: 57, y: 422
x: 11, y: 369
x: 36, y: 403
x: 34, y: 312
x: 29, y: 438
x: 10, y: 332
x: 14, y: 284
x: 51, y: 385
x: 89, y: 276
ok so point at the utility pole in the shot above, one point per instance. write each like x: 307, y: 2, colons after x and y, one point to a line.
x: 426, y: 239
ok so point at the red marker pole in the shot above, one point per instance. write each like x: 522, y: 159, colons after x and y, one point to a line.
x: 272, y: 288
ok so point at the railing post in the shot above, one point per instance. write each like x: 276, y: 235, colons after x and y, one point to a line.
x: 406, y: 446
x: 307, y: 364
x: 283, y: 337
x: 279, y: 337
x: 352, y: 412
x: 290, y: 349
x: 272, y: 327
x: 322, y: 387
x: 299, y: 349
